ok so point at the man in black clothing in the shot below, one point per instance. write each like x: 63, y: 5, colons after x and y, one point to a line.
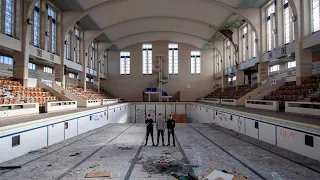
x: 171, y: 123
x: 149, y: 123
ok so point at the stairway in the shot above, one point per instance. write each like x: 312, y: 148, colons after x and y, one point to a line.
x: 162, y: 78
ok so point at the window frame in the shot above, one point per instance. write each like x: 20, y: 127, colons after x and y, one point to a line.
x: 313, y: 14
x: 291, y: 64
x: 269, y: 26
x: 77, y: 46
x: 9, y: 18
x: 274, y: 68
x: 147, y: 60
x: 52, y: 13
x: 125, y: 57
x: 196, y: 57
x: 32, y: 66
x: 244, y: 31
x: 48, y: 70
x: 36, y: 24
x: 173, y: 59
x: 67, y: 46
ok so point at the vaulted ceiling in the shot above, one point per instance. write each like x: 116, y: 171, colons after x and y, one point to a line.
x: 126, y: 22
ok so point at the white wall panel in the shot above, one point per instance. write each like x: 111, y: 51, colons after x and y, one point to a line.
x: 295, y: 141
x: 72, y: 129
x: 267, y: 133
x: 180, y: 109
x: 30, y: 140
x: 140, y: 113
x: 250, y: 128
x: 151, y: 109
x: 161, y: 109
x: 55, y: 133
x: 132, y: 116
x: 170, y: 109
x: 83, y: 124
x: 110, y: 115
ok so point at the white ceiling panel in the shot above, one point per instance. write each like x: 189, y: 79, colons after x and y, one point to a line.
x: 86, y: 4
x: 154, y: 36
x: 165, y: 24
x: 192, y: 9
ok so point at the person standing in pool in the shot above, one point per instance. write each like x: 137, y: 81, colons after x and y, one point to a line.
x: 171, y: 124
x: 149, y: 124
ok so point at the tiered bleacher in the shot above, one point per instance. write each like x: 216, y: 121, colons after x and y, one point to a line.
x: 232, y: 92
x: 292, y: 92
x: 89, y: 94
x: 12, y: 92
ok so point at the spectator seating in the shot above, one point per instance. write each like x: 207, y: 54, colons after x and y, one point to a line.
x: 89, y: 94
x: 292, y: 92
x: 12, y: 92
x: 232, y: 92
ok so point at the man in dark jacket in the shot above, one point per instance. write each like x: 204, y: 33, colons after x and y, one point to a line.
x: 171, y: 123
x: 149, y: 123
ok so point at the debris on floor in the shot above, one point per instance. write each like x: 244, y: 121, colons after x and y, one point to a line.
x: 98, y: 174
x: 75, y: 154
x: 9, y: 167
x: 165, y: 164
x: 225, y: 175
x: 125, y: 148
x: 38, y: 151
x: 94, y: 165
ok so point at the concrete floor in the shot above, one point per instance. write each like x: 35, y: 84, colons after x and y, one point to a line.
x: 118, y: 148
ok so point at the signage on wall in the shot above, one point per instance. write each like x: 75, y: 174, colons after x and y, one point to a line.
x: 51, y: 57
x: 270, y: 55
x: 39, y: 52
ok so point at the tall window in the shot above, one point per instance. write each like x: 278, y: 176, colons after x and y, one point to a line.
x: 147, y: 59
x: 195, y: 62
x: 36, y: 24
x: 77, y: 46
x: 92, y: 59
x: 270, y: 11
x: 68, y: 46
x: 125, y: 63
x: 217, y: 61
x: 9, y: 12
x: 254, y: 44
x: 315, y: 15
x: 52, y: 14
x: 274, y: 68
x: 173, y: 58
x: 244, y: 42
x: 228, y: 53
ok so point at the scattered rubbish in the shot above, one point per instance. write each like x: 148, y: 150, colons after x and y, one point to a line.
x: 95, y: 165
x: 49, y: 165
x: 219, y: 175
x: 45, y: 147
x: 213, y: 174
x: 37, y: 151
x: 98, y: 174
x: 9, y: 167
x: 76, y: 154
x: 102, y: 156
x: 189, y: 176
x: 125, y: 148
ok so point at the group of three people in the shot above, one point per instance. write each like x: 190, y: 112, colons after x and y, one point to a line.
x: 160, y: 125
